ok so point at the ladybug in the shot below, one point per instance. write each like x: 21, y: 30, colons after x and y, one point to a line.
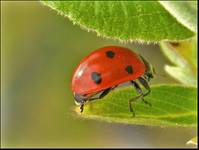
x: 106, y: 68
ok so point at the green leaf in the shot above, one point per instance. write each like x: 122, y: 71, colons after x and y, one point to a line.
x: 183, y: 11
x: 172, y: 105
x: 184, y: 57
x: 125, y: 20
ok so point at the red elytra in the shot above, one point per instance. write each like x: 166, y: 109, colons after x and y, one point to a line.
x: 114, y: 64
x: 107, y: 67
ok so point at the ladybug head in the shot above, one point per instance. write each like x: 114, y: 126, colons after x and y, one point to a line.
x: 150, y: 72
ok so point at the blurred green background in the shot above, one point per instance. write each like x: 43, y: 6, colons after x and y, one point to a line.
x: 40, y: 50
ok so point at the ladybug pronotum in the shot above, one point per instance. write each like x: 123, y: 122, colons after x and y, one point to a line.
x: 106, y: 68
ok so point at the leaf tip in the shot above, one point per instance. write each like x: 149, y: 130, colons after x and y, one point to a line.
x: 193, y: 141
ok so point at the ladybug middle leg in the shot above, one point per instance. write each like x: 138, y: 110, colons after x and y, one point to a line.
x: 147, y: 87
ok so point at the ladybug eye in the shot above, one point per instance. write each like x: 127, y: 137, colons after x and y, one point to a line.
x: 110, y: 54
x: 96, y: 77
x: 129, y: 69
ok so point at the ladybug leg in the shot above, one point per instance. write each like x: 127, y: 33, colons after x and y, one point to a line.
x: 147, y: 87
x: 104, y: 93
x: 81, y: 108
x: 139, y: 90
x: 80, y: 100
x: 130, y: 102
x: 141, y: 95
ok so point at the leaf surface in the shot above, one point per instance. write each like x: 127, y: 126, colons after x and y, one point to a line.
x: 127, y: 20
x: 172, y: 105
x: 183, y: 56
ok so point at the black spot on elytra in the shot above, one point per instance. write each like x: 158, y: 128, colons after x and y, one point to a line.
x: 110, y: 54
x: 129, y: 69
x: 96, y: 77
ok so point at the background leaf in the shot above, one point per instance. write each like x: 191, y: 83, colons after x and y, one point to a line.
x: 125, y: 20
x: 193, y: 141
x: 184, y: 57
x: 172, y: 105
x: 183, y: 11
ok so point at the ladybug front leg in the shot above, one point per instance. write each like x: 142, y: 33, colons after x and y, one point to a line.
x: 80, y: 100
x: 81, y: 108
